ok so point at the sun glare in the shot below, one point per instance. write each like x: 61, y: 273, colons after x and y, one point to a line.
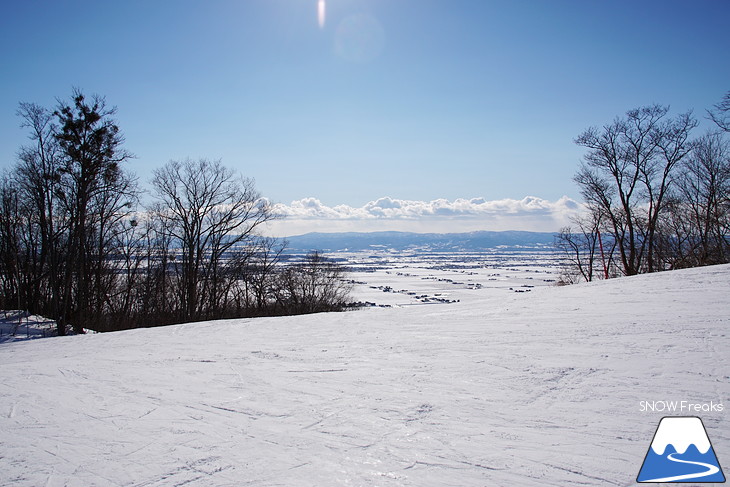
x: 321, y: 13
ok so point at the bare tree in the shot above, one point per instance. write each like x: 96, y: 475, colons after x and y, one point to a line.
x: 700, y: 219
x: 256, y: 269
x: 720, y: 114
x: 626, y: 175
x: 125, y: 277
x: 11, y: 229
x: 109, y: 219
x: 38, y: 179
x: 672, y: 146
x: 583, y: 250
x: 315, y: 285
x: 158, y: 300
x: 91, y: 148
x: 207, y: 209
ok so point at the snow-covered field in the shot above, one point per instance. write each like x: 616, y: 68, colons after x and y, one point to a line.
x: 402, y: 278
x: 501, y: 388
x: 18, y: 325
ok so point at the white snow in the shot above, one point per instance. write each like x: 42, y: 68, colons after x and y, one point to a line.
x: 681, y: 432
x: 504, y: 388
x: 18, y: 325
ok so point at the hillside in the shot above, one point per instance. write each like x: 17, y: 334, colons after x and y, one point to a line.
x: 529, y: 389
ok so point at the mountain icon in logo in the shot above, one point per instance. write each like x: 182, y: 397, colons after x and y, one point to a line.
x: 680, y: 452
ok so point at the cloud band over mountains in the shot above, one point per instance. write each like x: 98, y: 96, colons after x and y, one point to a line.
x: 440, y: 215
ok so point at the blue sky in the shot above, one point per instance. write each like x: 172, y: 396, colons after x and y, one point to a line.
x: 415, y: 101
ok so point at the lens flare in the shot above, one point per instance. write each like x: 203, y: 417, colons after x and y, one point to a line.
x: 321, y: 13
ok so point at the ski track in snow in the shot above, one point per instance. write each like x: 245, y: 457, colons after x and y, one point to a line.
x: 532, y: 389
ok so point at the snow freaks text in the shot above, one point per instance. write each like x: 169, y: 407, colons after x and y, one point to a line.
x: 687, y: 407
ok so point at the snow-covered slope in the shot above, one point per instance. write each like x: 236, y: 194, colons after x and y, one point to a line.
x: 531, y: 389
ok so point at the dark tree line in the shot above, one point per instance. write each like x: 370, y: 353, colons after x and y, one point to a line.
x: 76, y: 246
x: 658, y: 197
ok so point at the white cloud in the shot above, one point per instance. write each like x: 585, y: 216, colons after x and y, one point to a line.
x: 440, y: 215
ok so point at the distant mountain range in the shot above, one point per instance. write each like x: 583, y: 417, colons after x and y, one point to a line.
x: 356, y: 241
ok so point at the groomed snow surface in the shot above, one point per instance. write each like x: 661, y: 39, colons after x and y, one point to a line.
x: 513, y: 389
